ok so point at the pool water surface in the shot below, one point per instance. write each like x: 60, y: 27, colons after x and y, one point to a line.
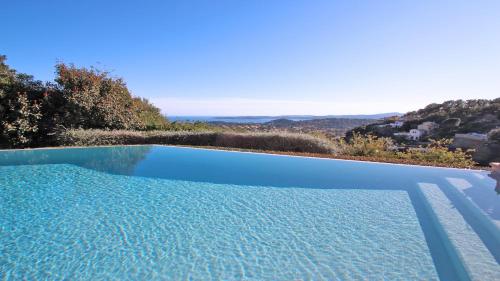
x: 172, y: 213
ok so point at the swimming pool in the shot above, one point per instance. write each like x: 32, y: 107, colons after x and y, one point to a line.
x: 173, y: 213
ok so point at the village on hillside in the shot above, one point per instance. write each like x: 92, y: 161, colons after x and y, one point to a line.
x: 425, y: 130
x: 408, y: 134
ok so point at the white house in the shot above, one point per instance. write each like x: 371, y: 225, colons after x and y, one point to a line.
x: 415, y: 134
x: 396, y: 124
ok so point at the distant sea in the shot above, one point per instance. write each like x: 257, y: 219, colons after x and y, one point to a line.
x: 264, y: 119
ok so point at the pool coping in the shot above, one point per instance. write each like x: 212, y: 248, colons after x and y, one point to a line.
x: 239, y: 150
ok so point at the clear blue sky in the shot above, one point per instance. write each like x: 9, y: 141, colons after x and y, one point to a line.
x: 268, y: 57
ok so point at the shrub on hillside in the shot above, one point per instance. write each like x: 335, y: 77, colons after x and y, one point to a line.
x: 258, y: 141
x: 275, y: 142
x: 437, y: 152
x: 366, y: 145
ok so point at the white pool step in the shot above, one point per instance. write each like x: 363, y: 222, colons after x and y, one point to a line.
x: 477, y: 259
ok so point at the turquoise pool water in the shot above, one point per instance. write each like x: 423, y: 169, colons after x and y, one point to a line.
x: 167, y: 213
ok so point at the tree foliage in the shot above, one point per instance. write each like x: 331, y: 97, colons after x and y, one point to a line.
x: 149, y: 115
x: 19, y: 107
x: 81, y: 98
x: 436, y: 152
x: 92, y: 99
x: 366, y: 145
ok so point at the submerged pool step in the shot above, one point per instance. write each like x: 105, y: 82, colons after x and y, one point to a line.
x: 474, y: 254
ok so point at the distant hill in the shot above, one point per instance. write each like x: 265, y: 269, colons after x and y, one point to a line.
x: 454, y: 116
x: 366, y: 116
x: 328, y: 126
x: 326, y: 123
x: 311, y: 117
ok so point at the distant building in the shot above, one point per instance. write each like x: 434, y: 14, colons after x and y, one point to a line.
x: 413, y: 134
x: 469, y: 140
x: 427, y: 126
x: 396, y: 124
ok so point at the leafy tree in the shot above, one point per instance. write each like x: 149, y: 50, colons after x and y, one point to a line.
x: 92, y: 99
x: 19, y: 107
x: 32, y: 112
x: 21, y: 124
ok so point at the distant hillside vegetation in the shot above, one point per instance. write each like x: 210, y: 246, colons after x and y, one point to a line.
x: 329, y: 126
x: 459, y: 116
x: 455, y: 116
x: 327, y: 123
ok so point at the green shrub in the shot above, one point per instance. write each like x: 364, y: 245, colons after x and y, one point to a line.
x: 366, y: 145
x: 275, y: 142
x: 92, y: 99
x: 259, y: 141
x: 437, y: 152
x: 21, y: 124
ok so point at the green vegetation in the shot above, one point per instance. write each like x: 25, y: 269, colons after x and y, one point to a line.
x: 33, y: 113
x: 256, y: 141
x: 435, y: 153
x: 150, y: 115
x: 456, y: 116
x: 459, y: 116
x: 20, y: 113
x: 369, y: 145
